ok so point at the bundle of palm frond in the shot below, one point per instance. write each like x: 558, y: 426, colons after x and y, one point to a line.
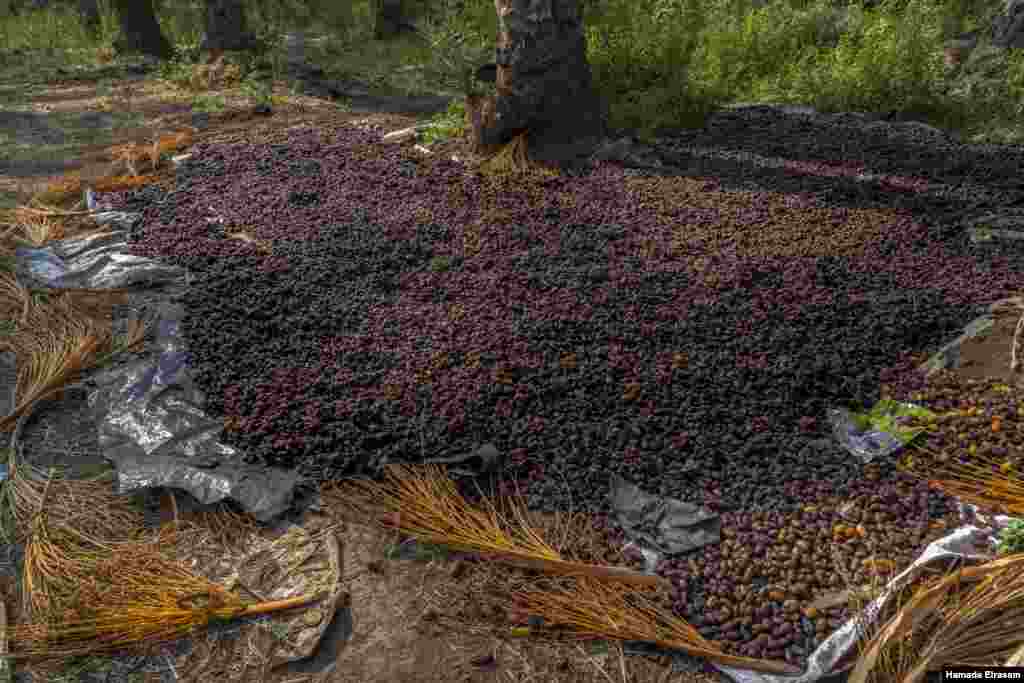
x: 984, y: 481
x: 89, y: 596
x: 972, y: 617
x: 55, y: 339
x: 611, y: 610
x: 44, y: 218
x: 87, y: 513
x: 594, y: 601
x: 423, y: 503
x: 132, y: 154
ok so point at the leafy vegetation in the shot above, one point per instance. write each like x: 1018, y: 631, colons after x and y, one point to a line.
x: 660, y: 63
x: 1011, y: 541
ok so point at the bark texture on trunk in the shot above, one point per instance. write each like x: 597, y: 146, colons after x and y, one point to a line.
x: 140, y: 31
x: 544, y: 86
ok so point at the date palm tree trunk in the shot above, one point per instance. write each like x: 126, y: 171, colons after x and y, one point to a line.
x: 544, y: 86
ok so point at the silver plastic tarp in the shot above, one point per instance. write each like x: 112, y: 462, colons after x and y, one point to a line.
x: 149, y: 414
x: 962, y: 543
x: 822, y: 662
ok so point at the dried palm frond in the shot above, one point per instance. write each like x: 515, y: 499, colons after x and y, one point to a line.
x: 605, y: 609
x: 91, y: 505
x: 424, y: 504
x: 104, y: 177
x: 606, y: 602
x: 89, y: 597
x: 971, y: 617
x: 53, y: 345
x: 985, y: 482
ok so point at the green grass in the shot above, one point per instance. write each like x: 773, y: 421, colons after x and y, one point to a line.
x: 659, y: 63
x: 208, y: 103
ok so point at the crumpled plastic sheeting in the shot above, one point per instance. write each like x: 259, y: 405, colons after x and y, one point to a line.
x: 151, y: 424
x: 822, y: 661
x: 658, y: 527
x: 149, y: 414
x: 995, y: 525
x: 98, y: 258
x: 662, y: 526
x: 885, y: 433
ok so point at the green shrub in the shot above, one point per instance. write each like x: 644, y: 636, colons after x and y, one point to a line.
x: 449, y: 124
x: 1011, y: 541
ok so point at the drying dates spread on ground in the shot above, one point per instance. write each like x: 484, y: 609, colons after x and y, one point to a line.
x: 688, y: 329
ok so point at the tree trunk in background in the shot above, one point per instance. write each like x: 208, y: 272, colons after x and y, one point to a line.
x: 544, y: 85
x: 226, y: 28
x: 89, y: 11
x: 390, y: 22
x: 140, y: 31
